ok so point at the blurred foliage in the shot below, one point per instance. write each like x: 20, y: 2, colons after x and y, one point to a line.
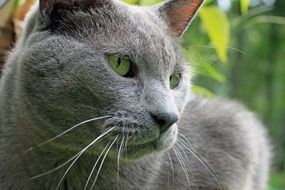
x: 218, y: 28
x: 244, y: 6
x: 277, y: 181
x: 248, y: 35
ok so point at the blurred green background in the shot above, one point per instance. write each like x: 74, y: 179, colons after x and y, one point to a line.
x: 237, y: 50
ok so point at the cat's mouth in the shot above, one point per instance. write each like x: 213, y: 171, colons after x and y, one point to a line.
x: 137, y: 136
x: 134, y: 144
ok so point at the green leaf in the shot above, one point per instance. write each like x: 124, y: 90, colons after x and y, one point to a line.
x: 218, y: 28
x: 132, y: 1
x: 202, y: 91
x: 149, y: 2
x: 208, y: 2
x: 244, y: 6
x: 206, y: 69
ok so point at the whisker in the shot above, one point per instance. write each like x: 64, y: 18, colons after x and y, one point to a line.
x: 81, y: 152
x: 178, y: 156
x: 126, y: 142
x: 55, y: 169
x: 172, y: 168
x: 90, y: 175
x: 118, y: 160
x: 191, y: 147
x: 102, y: 162
x: 93, y: 142
x: 74, y: 157
x: 210, y: 170
x: 66, y: 131
x: 189, y: 166
x: 212, y: 47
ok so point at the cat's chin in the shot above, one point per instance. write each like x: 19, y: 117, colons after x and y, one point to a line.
x: 168, y: 138
x: 163, y: 143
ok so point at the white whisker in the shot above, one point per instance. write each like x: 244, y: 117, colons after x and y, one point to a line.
x: 102, y: 162
x: 189, y: 166
x: 172, y: 168
x: 191, y: 147
x: 74, y: 157
x: 81, y: 152
x: 178, y: 156
x: 126, y: 143
x: 118, y: 160
x: 90, y: 175
x: 210, y: 170
x: 66, y: 131
x: 212, y: 47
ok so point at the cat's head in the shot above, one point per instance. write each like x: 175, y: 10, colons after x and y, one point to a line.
x: 85, y: 59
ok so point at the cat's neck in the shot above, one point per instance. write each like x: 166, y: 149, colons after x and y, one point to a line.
x: 52, y: 160
x: 109, y: 173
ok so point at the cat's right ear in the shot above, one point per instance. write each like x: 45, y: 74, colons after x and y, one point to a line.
x: 179, y: 13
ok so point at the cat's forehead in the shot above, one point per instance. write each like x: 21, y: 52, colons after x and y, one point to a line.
x: 124, y: 29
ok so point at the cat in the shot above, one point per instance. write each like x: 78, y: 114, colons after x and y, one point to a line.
x: 95, y: 95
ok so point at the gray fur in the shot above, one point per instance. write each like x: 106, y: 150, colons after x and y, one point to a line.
x: 58, y: 76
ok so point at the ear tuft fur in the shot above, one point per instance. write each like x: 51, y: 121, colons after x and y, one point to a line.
x: 179, y: 13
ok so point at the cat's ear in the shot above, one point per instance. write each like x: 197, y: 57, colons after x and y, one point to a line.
x: 179, y: 13
x: 48, y: 7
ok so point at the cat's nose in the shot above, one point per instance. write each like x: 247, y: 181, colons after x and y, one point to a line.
x: 165, y: 120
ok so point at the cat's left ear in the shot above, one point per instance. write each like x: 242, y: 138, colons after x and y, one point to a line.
x: 179, y: 14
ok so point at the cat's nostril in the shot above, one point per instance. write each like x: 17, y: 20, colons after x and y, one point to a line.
x: 165, y: 120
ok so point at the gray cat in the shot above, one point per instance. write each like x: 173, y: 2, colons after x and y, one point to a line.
x: 95, y: 96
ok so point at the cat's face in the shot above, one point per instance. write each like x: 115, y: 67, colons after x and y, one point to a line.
x: 110, y: 60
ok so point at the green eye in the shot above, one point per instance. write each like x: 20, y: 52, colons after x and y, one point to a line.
x: 121, y: 65
x: 175, y: 80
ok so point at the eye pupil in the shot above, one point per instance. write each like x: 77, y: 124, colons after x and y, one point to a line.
x: 119, y: 62
x: 121, y: 65
x: 175, y: 80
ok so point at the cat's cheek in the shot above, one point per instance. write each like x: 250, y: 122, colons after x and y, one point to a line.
x: 168, y: 138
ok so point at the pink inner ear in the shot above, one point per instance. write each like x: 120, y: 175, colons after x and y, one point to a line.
x: 180, y: 17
